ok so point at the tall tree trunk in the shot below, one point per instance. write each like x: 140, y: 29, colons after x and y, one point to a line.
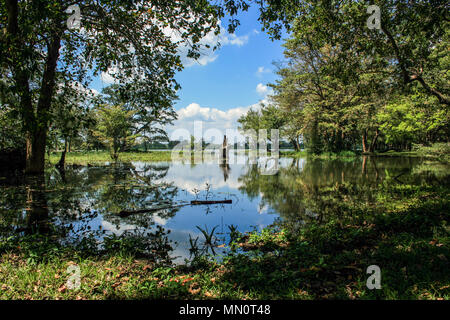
x: 364, y: 141
x: 295, y: 144
x: 21, y: 77
x: 62, y: 161
x: 36, y: 151
x: 374, y: 141
x: 37, y: 137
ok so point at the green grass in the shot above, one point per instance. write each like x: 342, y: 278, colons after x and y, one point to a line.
x: 293, y: 154
x: 101, y: 157
x: 393, y: 153
x: 325, y: 155
x: 84, y: 158
x: 436, y: 152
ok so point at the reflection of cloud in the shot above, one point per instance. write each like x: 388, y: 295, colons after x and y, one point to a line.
x: 117, y: 231
x: 160, y: 220
x: 262, y: 209
x: 197, y: 177
x: 181, y: 237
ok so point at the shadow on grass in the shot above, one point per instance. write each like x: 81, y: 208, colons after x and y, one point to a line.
x: 411, y: 247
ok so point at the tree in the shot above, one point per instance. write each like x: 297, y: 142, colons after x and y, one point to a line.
x: 10, y: 134
x: 413, y: 39
x: 150, y: 118
x: 413, y: 119
x: 115, y: 128
x: 250, y: 121
x: 71, y: 114
x: 136, y: 42
x: 327, y: 107
x: 268, y: 117
x: 339, y: 98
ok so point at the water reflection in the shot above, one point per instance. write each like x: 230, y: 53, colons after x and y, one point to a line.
x: 83, y: 201
x: 37, y: 218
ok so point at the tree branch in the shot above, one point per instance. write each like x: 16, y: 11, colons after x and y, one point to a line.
x: 407, y: 77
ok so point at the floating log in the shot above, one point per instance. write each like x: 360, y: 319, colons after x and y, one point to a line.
x: 198, y: 202
x: 125, y: 213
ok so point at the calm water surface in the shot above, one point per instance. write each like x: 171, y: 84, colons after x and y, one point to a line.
x: 87, y: 200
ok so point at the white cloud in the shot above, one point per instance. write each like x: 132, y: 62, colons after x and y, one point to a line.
x: 263, y: 90
x: 232, y: 39
x: 108, y: 77
x: 78, y: 86
x: 261, y: 71
x: 203, y: 60
x: 212, y: 118
x: 211, y: 40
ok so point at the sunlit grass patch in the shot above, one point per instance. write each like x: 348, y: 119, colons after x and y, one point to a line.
x: 102, y: 157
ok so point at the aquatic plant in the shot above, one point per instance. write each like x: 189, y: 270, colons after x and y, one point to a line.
x: 210, y: 238
x: 194, y: 250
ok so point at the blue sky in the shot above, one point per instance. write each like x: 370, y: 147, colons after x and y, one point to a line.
x: 223, y: 85
x: 230, y: 80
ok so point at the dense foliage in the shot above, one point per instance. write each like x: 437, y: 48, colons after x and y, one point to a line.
x: 46, y: 67
x: 344, y: 86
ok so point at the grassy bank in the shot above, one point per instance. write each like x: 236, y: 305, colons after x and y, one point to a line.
x: 85, y: 158
x: 440, y: 152
x: 101, y: 157
x: 325, y: 155
x: 406, y: 235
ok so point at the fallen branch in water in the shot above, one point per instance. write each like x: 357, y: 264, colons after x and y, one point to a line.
x: 125, y: 213
x: 198, y: 202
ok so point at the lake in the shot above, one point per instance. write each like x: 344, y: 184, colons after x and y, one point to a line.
x: 85, y: 201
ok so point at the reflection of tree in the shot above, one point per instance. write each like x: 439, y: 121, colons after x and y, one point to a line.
x: 321, y: 188
x: 80, y: 194
x: 24, y: 207
x: 36, y: 211
x: 125, y: 188
x: 225, y: 169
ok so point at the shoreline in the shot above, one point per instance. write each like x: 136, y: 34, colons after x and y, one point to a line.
x: 102, y: 157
